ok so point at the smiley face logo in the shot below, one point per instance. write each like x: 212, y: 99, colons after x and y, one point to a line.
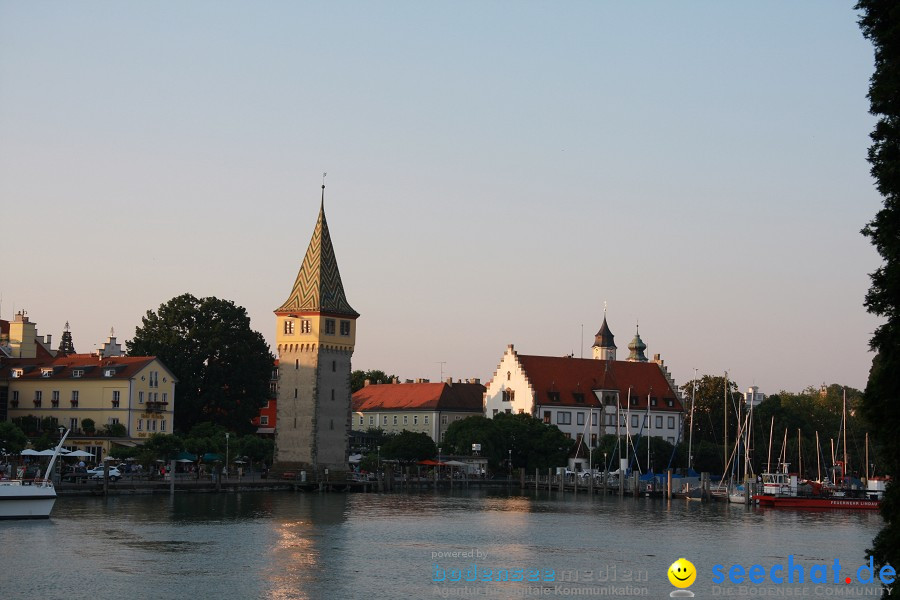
x: 682, y: 573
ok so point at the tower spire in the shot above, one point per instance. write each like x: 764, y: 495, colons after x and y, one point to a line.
x: 637, y: 346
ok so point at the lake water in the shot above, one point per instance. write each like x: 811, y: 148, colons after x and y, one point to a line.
x: 369, y: 546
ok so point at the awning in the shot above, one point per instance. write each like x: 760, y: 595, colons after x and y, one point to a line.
x: 128, y: 444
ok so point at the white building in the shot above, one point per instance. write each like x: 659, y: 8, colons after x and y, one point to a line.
x: 753, y: 396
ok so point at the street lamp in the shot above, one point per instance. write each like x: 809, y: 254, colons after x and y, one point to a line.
x: 510, y: 464
x: 379, y: 459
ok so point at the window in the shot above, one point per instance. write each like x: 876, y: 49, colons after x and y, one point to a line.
x: 332, y: 395
x: 579, y: 418
x: 593, y: 419
x: 509, y: 395
x: 405, y: 420
x: 289, y: 327
x: 73, y: 424
x: 563, y: 417
x: 38, y: 396
x: 415, y: 419
x: 670, y: 403
x: 652, y: 401
x: 54, y: 398
x: 443, y: 419
x: 395, y: 419
x: 609, y: 400
x: 494, y: 414
x: 113, y: 421
x: 162, y: 425
x: 385, y: 420
x: 659, y: 422
x: 15, y: 399
x: 140, y: 426
x: 345, y: 327
x: 579, y: 397
x: 508, y: 375
x: 304, y: 326
x: 521, y: 412
x: 77, y: 373
x: 296, y: 364
x: 329, y: 326
x: 633, y: 402
x: 295, y: 392
x: 46, y: 372
x: 74, y: 399
x: 507, y: 411
x: 671, y: 422
x: 634, y: 420
x: 579, y: 438
x: 116, y: 397
x: 165, y: 398
x: 263, y: 420
x: 593, y: 440
x: 333, y: 368
x: 152, y: 425
x: 140, y: 397
x: 109, y: 372
x: 547, y: 417
x: 15, y: 372
x: 371, y: 420
x: 646, y: 421
x: 426, y: 419
x: 610, y: 420
x: 553, y: 396
x: 443, y: 433
x: 361, y: 420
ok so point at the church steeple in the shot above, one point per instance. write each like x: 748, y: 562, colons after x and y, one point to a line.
x: 66, y: 347
x: 637, y: 347
x: 318, y: 287
x: 604, y: 347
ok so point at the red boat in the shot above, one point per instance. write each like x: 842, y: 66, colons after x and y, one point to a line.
x: 784, y: 490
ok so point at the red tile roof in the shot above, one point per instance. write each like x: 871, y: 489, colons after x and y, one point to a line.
x: 63, y: 366
x: 569, y: 376
x: 420, y: 396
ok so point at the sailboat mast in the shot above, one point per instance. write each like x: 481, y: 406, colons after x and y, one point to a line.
x: 799, y: 455
x: 867, y: 456
x: 845, y: 435
x: 818, y: 462
x: 725, y: 403
x: 691, y: 433
x: 769, y: 457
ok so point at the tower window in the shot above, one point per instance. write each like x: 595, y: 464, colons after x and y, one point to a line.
x: 289, y: 327
x: 333, y: 366
x: 329, y: 326
x: 345, y: 327
x: 296, y: 364
x: 332, y: 423
x: 579, y: 397
x: 332, y: 395
x: 295, y: 392
x: 304, y: 326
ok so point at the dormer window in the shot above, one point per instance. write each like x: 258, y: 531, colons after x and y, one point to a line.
x: 553, y: 396
x: 77, y: 373
x: 46, y: 372
x: 579, y: 397
x: 652, y: 401
x: 109, y: 372
x: 16, y: 372
x: 670, y: 403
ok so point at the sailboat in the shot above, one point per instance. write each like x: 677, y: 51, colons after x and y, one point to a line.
x: 26, y: 499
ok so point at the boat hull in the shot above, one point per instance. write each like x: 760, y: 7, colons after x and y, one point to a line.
x: 768, y: 500
x: 26, y: 501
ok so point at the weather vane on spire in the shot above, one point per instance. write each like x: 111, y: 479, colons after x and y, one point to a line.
x: 604, y: 308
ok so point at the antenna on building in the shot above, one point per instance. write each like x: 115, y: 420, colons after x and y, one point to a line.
x: 442, y: 363
x: 582, y: 340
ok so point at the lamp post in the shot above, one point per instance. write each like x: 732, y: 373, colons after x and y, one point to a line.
x: 379, y: 459
x: 227, y: 435
x: 510, y: 465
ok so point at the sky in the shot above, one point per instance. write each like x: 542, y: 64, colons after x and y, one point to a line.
x: 498, y: 172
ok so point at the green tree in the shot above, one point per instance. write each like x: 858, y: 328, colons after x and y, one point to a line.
x: 12, y: 438
x: 880, y: 22
x: 409, y: 447
x: 460, y: 436
x: 115, y: 430
x: 163, y: 447
x: 88, y: 426
x: 358, y: 378
x: 223, y: 367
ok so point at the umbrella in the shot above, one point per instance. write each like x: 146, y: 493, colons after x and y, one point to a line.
x: 62, y: 451
x: 81, y: 453
x: 30, y: 452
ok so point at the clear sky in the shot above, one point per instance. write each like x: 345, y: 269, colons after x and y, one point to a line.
x: 496, y: 172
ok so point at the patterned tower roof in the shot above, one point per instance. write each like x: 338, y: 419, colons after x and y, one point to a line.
x: 604, y: 337
x: 318, y: 287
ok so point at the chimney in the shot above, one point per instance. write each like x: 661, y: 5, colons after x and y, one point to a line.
x: 47, y: 339
x: 476, y: 381
x: 367, y: 382
x: 395, y: 380
x: 449, y: 381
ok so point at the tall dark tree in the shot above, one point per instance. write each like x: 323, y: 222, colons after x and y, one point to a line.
x: 223, y: 366
x: 358, y: 378
x: 880, y: 23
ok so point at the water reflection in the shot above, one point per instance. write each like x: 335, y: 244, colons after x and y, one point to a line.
x: 364, y: 546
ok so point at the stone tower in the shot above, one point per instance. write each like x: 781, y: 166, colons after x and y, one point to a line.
x: 637, y: 347
x: 604, y: 347
x: 316, y: 333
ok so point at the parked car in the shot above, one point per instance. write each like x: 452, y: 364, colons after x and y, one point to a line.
x: 97, y: 473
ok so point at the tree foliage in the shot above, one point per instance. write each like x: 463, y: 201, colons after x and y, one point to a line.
x: 12, y: 438
x: 223, y: 367
x: 408, y: 447
x: 880, y: 23
x: 358, y: 378
x: 529, y: 441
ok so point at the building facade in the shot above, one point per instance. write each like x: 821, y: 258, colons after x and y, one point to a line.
x: 420, y: 407
x: 315, y: 338
x: 89, y: 394
x: 589, y: 398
